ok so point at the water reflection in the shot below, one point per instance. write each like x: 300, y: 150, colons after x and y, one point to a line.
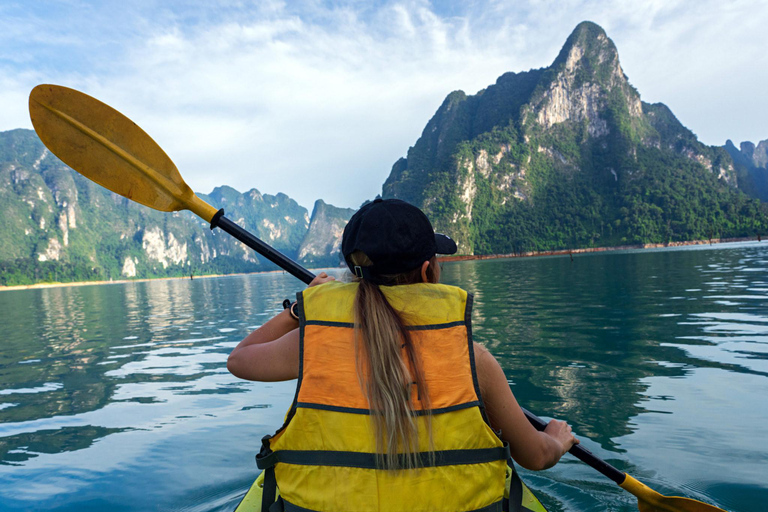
x: 653, y: 355
x: 70, y: 351
x: 116, y: 371
x: 560, y: 329
x: 21, y: 447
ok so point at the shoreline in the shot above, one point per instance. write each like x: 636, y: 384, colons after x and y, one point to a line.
x: 466, y: 257
x: 125, y: 281
x: 586, y: 250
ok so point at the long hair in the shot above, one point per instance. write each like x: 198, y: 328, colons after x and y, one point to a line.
x: 380, y: 333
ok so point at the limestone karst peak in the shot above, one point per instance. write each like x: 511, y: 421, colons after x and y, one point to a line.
x: 590, y: 53
x: 523, y: 163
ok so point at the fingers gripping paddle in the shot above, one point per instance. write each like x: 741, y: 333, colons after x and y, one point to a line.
x: 105, y: 146
x: 648, y: 500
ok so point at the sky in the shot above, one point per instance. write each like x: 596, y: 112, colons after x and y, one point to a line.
x: 318, y: 99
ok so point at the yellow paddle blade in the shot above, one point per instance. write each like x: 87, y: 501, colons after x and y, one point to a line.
x: 649, y: 500
x: 105, y: 146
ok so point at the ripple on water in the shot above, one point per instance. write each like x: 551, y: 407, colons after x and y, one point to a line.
x: 48, y: 386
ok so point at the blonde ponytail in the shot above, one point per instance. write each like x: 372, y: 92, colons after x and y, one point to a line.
x: 380, y: 333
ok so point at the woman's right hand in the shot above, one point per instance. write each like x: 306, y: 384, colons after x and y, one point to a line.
x: 321, y: 278
x: 562, y: 433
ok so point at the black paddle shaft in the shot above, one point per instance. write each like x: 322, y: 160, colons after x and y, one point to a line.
x: 275, y: 256
x: 582, y: 454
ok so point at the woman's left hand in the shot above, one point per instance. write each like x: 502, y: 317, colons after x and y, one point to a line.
x: 271, y: 352
x: 321, y: 278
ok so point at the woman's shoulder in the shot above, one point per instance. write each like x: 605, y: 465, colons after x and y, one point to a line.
x: 435, y: 292
x: 331, y: 287
x: 431, y: 303
x: 331, y: 301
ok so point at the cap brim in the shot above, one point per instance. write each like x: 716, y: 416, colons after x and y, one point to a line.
x: 444, y: 244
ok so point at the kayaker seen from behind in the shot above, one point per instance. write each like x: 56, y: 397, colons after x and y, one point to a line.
x: 396, y: 407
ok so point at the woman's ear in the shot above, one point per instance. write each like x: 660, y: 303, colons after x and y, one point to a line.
x: 424, y: 276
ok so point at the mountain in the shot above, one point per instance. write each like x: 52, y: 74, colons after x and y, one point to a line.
x: 570, y: 156
x: 277, y: 220
x: 59, y: 226
x: 321, y: 246
x: 752, y: 163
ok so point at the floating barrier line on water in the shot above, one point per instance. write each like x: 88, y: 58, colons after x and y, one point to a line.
x: 566, y: 252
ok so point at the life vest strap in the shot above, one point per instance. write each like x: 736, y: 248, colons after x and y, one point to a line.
x: 369, y: 460
x: 419, y: 412
x: 427, y: 327
x: 269, y: 490
x: 286, y: 506
x: 515, y: 501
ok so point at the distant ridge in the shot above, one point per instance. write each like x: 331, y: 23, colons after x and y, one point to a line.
x: 751, y: 162
x: 321, y: 246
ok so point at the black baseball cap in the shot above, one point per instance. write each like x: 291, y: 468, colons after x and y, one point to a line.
x: 396, y: 236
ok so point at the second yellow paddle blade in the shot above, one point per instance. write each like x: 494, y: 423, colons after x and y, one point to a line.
x: 105, y: 146
x: 649, y: 500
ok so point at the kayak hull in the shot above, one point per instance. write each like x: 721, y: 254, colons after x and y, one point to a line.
x: 251, y: 502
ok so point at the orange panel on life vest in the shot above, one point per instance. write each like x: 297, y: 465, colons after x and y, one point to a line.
x: 330, y: 377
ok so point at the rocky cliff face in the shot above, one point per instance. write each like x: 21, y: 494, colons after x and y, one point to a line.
x: 574, y: 137
x: 277, y: 220
x: 55, y: 224
x: 758, y: 155
x: 322, y: 244
x: 751, y: 162
x: 585, y: 70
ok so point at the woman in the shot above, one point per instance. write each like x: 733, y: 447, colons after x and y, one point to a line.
x: 396, y: 407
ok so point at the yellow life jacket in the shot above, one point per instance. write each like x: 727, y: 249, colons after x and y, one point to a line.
x: 324, y: 457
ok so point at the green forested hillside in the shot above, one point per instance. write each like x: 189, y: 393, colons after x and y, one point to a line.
x: 58, y: 226
x: 569, y: 156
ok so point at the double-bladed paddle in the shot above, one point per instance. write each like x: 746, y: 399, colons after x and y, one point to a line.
x: 105, y: 146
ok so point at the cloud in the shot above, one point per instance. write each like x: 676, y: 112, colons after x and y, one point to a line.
x: 318, y: 100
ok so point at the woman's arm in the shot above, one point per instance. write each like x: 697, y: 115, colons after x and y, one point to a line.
x: 261, y: 357
x: 530, y: 448
x: 271, y: 352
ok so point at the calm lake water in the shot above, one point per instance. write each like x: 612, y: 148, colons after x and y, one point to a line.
x: 117, y: 397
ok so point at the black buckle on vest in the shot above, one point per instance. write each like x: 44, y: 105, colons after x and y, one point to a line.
x: 266, y: 458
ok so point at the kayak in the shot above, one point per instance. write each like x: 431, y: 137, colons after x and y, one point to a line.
x: 251, y: 502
